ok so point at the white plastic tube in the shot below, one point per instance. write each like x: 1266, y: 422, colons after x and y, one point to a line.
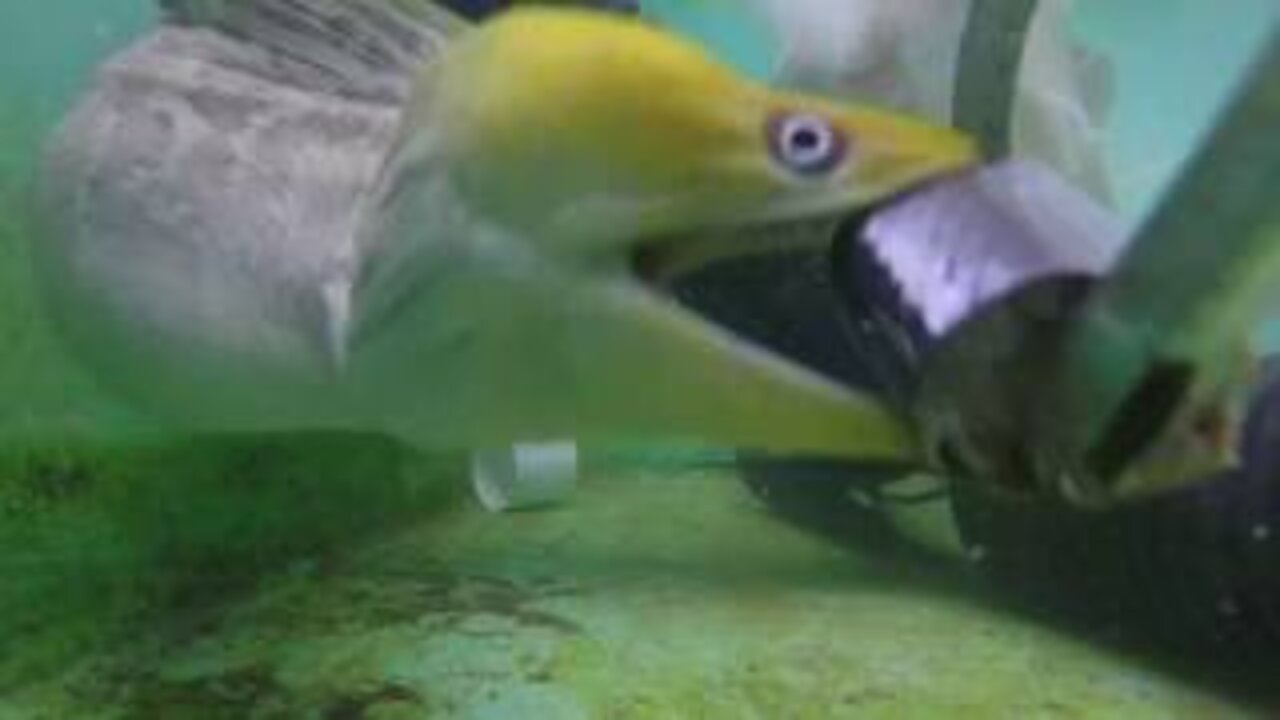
x: 525, y: 475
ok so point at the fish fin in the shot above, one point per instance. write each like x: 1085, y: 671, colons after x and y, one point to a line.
x: 363, y: 49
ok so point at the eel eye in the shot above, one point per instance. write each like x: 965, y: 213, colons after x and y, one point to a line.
x: 806, y: 144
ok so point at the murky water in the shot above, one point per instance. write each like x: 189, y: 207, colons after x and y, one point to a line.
x: 146, y: 572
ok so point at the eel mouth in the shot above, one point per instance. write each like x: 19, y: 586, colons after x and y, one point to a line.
x: 797, y: 408
x: 661, y: 261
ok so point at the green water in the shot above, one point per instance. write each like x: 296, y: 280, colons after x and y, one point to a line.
x: 103, y: 542
x: 1174, y: 67
x: 49, y: 52
x: 50, y: 48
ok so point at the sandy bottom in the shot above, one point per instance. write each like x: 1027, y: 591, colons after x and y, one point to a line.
x: 651, y: 595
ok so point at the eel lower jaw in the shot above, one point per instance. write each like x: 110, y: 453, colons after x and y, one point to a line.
x: 809, y: 412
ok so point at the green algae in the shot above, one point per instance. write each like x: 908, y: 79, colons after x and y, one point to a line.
x: 652, y: 595
x: 96, y: 541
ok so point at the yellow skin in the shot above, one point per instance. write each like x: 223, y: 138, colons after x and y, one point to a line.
x: 552, y: 109
x: 541, y: 152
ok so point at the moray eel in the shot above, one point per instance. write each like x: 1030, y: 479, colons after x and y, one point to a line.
x: 369, y: 215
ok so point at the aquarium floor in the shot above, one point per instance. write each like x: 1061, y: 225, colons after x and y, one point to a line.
x: 651, y: 595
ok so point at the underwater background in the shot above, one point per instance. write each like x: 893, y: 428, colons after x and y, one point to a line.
x: 93, y: 527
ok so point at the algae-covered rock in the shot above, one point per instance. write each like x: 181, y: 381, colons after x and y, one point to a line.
x: 98, y: 539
